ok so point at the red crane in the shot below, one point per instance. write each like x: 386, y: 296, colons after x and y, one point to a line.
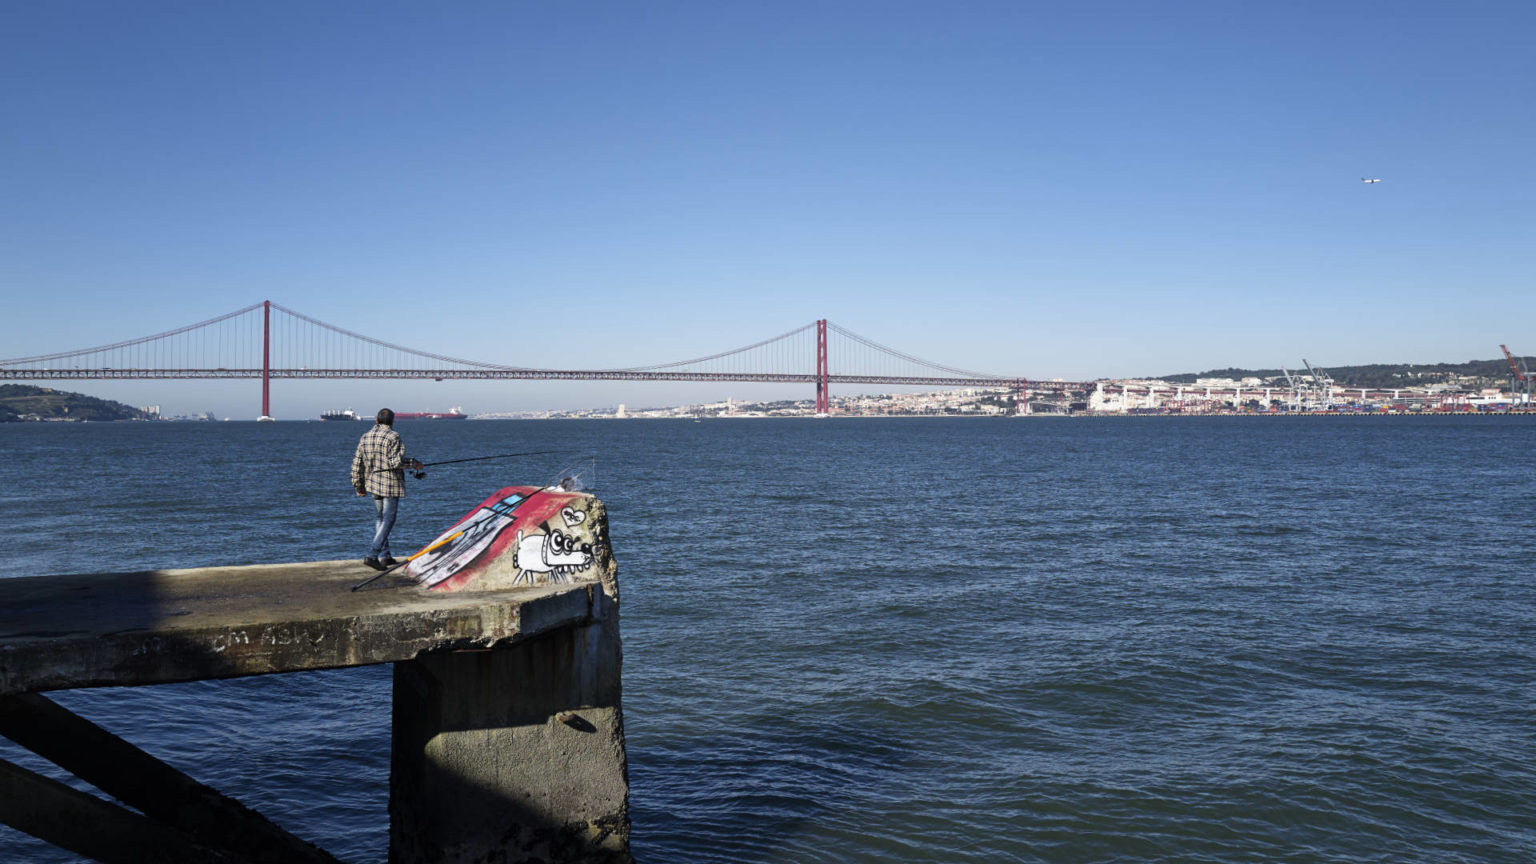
x: 1517, y: 376
x: 1514, y: 368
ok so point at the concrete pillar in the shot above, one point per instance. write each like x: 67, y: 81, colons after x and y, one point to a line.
x: 513, y: 754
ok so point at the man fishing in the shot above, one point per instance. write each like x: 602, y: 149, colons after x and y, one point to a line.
x: 378, y: 469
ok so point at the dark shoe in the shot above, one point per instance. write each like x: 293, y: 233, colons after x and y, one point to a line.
x: 374, y: 563
x: 389, y: 562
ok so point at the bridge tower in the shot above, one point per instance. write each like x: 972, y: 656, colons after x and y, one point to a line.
x: 266, y: 360
x: 822, y: 402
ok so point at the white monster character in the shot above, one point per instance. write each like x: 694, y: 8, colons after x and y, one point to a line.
x: 555, y: 553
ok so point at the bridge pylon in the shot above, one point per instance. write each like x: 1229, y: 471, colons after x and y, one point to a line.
x: 823, y: 403
x: 266, y: 360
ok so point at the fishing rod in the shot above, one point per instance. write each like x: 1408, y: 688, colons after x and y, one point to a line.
x: 420, y: 474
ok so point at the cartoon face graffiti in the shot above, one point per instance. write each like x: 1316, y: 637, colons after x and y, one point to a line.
x: 559, y: 553
x: 555, y: 553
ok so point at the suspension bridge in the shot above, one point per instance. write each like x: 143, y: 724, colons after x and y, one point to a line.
x: 267, y: 341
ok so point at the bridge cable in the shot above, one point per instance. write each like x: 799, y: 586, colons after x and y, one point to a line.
x: 393, y: 347
x: 713, y: 356
x: 870, y: 343
x: 132, y: 342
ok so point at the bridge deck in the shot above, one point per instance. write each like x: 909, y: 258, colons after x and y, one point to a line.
x: 159, y: 626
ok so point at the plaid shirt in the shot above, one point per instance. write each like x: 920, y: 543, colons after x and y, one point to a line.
x: 376, y: 466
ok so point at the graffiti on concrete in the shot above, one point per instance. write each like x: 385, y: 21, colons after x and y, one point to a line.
x: 520, y: 536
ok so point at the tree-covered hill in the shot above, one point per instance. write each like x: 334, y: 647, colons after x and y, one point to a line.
x: 18, y: 401
x: 1479, y: 373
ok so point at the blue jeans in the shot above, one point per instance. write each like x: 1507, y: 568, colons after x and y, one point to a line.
x: 385, y: 510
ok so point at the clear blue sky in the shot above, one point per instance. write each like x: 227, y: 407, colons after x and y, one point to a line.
x: 1070, y: 190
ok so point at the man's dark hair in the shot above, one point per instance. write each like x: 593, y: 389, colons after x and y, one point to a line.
x: 386, y: 417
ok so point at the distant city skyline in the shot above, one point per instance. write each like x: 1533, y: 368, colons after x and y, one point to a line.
x: 1105, y: 189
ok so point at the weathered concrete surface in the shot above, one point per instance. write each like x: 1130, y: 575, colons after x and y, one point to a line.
x: 160, y: 626
x: 521, y: 535
x: 514, y: 755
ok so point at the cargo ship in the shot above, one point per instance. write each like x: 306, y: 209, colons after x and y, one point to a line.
x: 451, y: 414
x: 348, y: 414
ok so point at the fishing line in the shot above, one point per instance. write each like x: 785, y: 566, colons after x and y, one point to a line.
x: 498, y: 456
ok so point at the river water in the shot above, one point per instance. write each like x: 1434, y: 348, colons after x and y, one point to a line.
x: 927, y: 640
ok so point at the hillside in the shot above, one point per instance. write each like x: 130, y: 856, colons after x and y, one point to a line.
x: 1473, y: 373
x: 19, y: 401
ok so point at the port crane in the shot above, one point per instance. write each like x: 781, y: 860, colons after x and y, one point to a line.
x: 1310, y: 392
x: 1519, y: 378
x: 1322, y: 387
x: 1296, y: 385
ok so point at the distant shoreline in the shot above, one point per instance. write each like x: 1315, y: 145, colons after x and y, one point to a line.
x: 1081, y: 415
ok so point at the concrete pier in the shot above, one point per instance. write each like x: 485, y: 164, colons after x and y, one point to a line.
x: 508, y: 738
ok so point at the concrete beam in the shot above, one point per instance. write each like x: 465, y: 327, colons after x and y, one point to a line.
x: 139, y: 780
x: 89, y: 826
x: 161, y: 626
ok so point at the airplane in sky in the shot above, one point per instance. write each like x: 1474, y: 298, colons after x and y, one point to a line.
x: 1363, y: 180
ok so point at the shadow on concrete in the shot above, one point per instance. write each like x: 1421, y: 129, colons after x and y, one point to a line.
x: 515, y: 752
